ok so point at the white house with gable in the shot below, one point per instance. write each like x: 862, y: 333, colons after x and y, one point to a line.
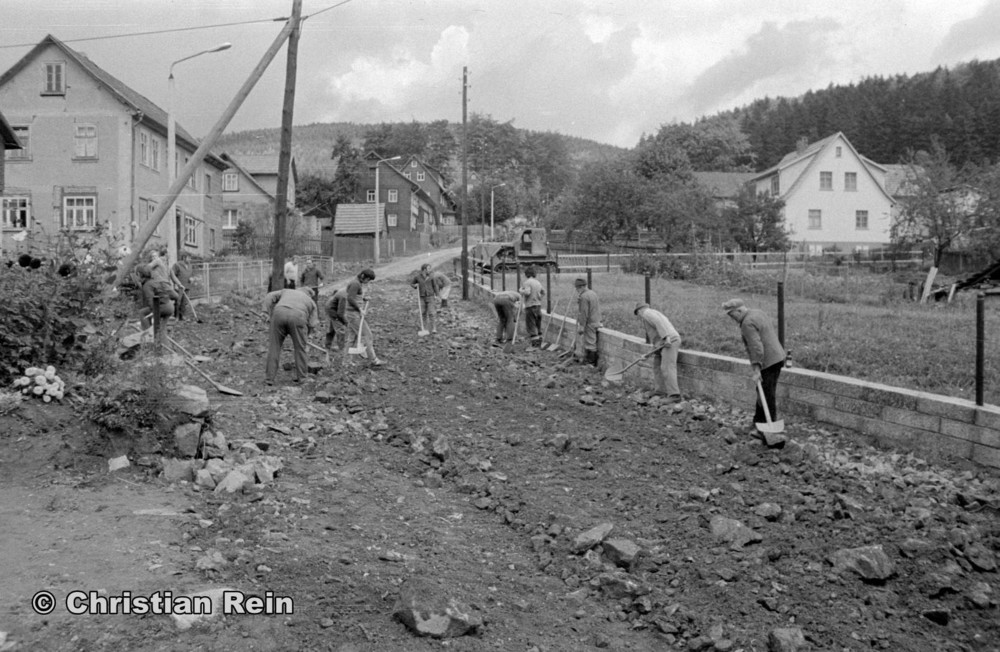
x: 834, y: 197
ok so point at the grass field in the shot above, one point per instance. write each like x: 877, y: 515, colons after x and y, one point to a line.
x: 856, y: 325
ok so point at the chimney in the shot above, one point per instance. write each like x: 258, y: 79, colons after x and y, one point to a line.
x: 801, y: 144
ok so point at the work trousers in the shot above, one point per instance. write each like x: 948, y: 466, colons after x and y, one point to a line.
x: 769, y: 381
x: 533, y: 322
x: 367, y: 339
x: 290, y: 323
x: 665, y: 368
x: 336, y: 334
x: 506, y: 320
x: 427, y: 311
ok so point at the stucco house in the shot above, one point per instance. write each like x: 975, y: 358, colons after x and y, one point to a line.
x: 413, y: 193
x: 834, y: 196
x: 95, y: 152
x: 431, y: 182
x: 10, y: 212
x: 249, y: 191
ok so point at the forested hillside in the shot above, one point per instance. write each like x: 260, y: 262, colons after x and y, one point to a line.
x: 885, y: 117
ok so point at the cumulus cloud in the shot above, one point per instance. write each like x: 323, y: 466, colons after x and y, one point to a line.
x: 971, y: 35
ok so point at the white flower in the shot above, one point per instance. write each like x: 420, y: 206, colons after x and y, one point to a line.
x: 19, y: 237
x: 89, y: 259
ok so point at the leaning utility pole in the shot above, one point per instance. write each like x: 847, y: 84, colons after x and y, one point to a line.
x: 465, y: 185
x: 285, y: 152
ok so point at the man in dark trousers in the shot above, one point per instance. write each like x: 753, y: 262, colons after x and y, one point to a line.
x: 424, y: 284
x: 311, y: 279
x: 336, y: 312
x: 533, y: 292
x: 293, y: 313
x: 588, y: 320
x: 765, y: 352
x: 182, y: 274
x: 357, y: 300
x: 505, y: 304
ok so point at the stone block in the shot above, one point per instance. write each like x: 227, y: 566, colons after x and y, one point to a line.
x: 807, y: 395
x: 838, y: 418
x: 986, y: 455
x: 988, y: 416
x: 426, y: 612
x: 857, y: 406
x: 175, y: 470
x: 946, y: 408
x: 797, y: 378
x: 187, y: 436
x: 841, y: 386
x: 191, y: 400
x: 966, y: 431
x: 896, y: 397
x: 911, y: 419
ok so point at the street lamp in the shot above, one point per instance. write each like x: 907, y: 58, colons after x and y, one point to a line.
x: 172, y: 146
x: 378, y: 163
x: 492, y: 236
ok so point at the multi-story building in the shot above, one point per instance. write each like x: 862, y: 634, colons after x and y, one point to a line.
x: 95, y: 152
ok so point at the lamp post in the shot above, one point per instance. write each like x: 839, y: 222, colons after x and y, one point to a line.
x: 172, y: 146
x: 492, y: 188
x: 378, y: 163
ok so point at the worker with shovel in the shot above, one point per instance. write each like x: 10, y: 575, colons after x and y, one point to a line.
x: 532, y: 292
x: 588, y: 320
x: 336, y: 312
x: 767, y: 357
x: 292, y: 313
x: 662, y: 334
x: 507, y: 305
x: 356, y: 312
x: 424, y: 283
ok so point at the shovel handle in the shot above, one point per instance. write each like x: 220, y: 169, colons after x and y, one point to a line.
x: 763, y: 401
x: 639, y: 359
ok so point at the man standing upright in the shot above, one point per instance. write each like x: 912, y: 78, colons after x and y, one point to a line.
x: 425, y: 290
x: 764, y: 350
x: 588, y: 320
x: 182, y: 274
x: 292, y: 313
x: 662, y: 334
x: 291, y: 274
x: 532, y: 291
x: 311, y: 279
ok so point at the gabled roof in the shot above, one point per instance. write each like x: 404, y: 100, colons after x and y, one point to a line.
x: 239, y: 166
x: 357, y: 219
x: 811, y: 152
x: 723, y: 184
x: 147, y: 109
x: 901, y: 179
x: 7, y: 135
x: 265, y: 164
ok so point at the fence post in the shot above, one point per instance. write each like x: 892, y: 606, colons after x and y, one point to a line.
x: 518, y: 277
x: 589, y: 280
x: 781, y: 312
x: 491, y: 278
x: 157, y: 326
x: 208, y: 283
x: 503, y: 279
x: 239, y: 277
x: 608, y: 261
x: 648, y: 295
x: 980, y: 345
x: 548, y: 289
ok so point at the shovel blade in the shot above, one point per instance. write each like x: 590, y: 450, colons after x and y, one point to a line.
x: 228, y: 390
x: 423, y: 333
x: 614, y: 376
x: 774, y: 427
x: 354, y: 350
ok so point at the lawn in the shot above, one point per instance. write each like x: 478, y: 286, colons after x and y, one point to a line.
x: 856, y: 325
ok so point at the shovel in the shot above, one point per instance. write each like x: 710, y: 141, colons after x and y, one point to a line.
x: 195, y: 358
x: 562, y: 325
x: 357, y: 349
x: 320, y: 348
x: 772, y: 427
x: 420, y: 311
x: 509, y: 346
x: 616, y: 375
x: 221, y: 388
x: 572, y: 347
x: 194, y: 313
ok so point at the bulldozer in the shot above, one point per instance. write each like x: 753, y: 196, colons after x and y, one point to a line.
x: 530, y: 247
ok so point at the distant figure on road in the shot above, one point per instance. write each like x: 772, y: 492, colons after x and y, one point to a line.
x: 505, y: 304
x: 424, y: 284
x: 588, y: 320
x: 765, y: 352
x: 311, y: 278
x: 292, y: 313
x: 661, y: 333
x: 532, y: 291
x: 357, y: 300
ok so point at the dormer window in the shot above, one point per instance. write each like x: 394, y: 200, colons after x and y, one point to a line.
x: 55, y: 78
x: 413, y: 164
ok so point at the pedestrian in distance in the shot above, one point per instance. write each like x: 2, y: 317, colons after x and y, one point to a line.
x: 588, y: 320
x: 357, y: 295
x: 533, y: 292
x: 311, y: 279
x: 442, y: 286
x: 293, y: 314
x: 506, y: 304
x: 424, y: 283
x: 151, y: 290
x: 182, y: 274
x: 336, y: 312
x: 662, y: 334
x: 291, y: 274
x: 764, y: 350
x: 160, y: 274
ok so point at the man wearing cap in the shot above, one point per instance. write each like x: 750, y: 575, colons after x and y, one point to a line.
x: 588, y: 320
x: 292, y: 313
x: 662, y: 334
x: 357, y: 301
x: 765, y: 352
x: 505, y: 304
x: 532, y: 292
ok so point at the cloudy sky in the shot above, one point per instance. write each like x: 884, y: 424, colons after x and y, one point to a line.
x: 607, y: 70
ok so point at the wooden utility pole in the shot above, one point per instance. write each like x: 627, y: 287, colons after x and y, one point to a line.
x: 285, y: 152
x: 465, y: 184
x: 146, y: 232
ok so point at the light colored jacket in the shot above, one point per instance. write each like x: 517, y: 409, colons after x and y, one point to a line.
x: 659, y: 330
x: 761, y: 339
x: 296, y: 301
x: 588, y: 310
x: 532, y: 291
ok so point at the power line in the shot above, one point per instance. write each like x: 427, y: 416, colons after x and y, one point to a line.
x: 317, y: 13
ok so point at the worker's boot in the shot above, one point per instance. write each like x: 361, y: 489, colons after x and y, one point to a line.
x: 592, y: 357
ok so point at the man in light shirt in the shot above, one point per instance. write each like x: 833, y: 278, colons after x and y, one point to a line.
x: 662, y: 334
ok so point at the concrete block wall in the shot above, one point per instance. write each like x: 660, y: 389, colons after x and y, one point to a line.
x: 927, y: 424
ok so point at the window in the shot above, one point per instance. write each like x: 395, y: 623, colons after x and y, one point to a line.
x: 370, y: 197
x: 775, y: 186
x: 55, y: 78
x: 861, y: 220
x: 413, y: 163
x: 85, y: 141
x: 851, y: 181
x: 826, y: 180
x: 407, y: 174
x: 392, y: 219
x: 192, y: 181
x: 15, y: 212
x: 815, y: 219
x: 23, y: 134
x: 79, y: 212
x: 208, y: 184
x: 147, y: 208
x: 230, y: 182
x: 840, y: 152
x: 393, y: 196
x: 421, y: 176
x: 211, y: 239
x: 154, y: 153
x: 190, y: 231
x: 144, y: 148
x: 230, y: 218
